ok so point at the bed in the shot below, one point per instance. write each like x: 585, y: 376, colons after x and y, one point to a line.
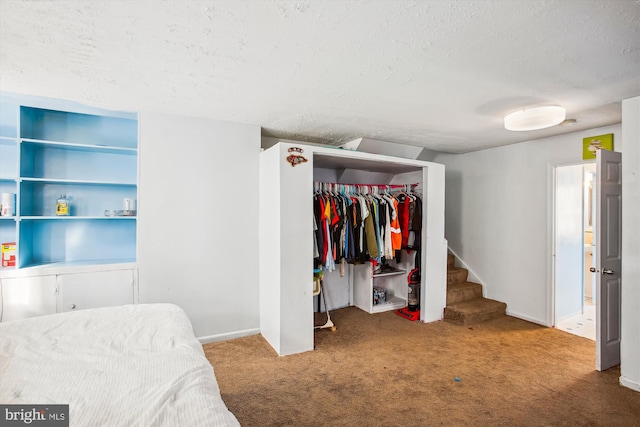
x: 132, y: 365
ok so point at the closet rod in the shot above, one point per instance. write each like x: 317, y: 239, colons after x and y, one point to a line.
x: 369, y: 185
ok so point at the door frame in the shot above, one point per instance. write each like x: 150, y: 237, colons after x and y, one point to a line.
x: 551, y: 246
x: 554, y: 239
x: 551, y: 233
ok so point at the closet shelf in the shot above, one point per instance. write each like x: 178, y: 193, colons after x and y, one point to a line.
x: 392, y: 303
x: 389, y: 273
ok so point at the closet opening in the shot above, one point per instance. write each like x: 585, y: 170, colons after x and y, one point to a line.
x: 288, y: 172
x: 362, y: 266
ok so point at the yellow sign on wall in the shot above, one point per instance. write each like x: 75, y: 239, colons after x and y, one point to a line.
x: 594, y: 143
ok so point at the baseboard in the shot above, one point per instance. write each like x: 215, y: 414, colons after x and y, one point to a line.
x: 525, y: 317
x: 626, y: 382
x: 228, y: 336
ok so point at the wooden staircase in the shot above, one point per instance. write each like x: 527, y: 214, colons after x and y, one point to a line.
x: 465, y: 303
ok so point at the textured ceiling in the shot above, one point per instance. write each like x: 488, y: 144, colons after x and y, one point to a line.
x: 436, y: 74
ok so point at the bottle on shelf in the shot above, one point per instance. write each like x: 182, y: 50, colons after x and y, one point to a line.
x: 8, y: 204
x: 62, y: 206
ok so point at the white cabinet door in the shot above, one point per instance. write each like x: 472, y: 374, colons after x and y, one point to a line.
x: 98, y: 289
x: 24, y: 297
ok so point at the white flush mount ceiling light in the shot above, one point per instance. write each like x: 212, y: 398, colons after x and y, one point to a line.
x: 534, y: 118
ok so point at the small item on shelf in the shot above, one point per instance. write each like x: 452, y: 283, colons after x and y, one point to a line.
x: 8, y: 204
x: 379, y: 296
x: 63, y: 206
x: 110, y: 212
x: 129, y: 204
x: 9, y: 254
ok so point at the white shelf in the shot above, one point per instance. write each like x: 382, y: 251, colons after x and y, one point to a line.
x: 393, y: 303
x: 389, y: 273
x: 68, y: 267
x: 82, y: 147
x: 74, y: 217
x: 75, y: 181
x: 393, y: 282
x: 96, y: 264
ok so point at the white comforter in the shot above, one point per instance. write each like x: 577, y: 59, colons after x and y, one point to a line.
x: 134, y: 365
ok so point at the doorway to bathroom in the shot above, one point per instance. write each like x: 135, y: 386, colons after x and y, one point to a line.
x: 574, y: 220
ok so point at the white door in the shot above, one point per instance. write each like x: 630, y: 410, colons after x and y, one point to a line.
x: 97, y: 289
x: 24, y: 297
x: 608, y: 258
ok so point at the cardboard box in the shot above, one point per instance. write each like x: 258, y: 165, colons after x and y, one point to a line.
x: 9, y: 254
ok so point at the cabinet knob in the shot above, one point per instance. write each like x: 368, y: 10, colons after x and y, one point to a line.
x: 71, y: 306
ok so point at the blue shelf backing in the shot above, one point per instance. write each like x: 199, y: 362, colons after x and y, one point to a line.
x: 49, y: 241
x: 7, y: 230
x: 8, y: 159
x: 38, y: 160
x: 8, y: 119
x: 38, y: 198
x: 76, y: 128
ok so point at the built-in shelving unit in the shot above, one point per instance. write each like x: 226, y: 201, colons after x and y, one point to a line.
x: 87, y: 154
x: 8, y: 166
x: 394, y: 282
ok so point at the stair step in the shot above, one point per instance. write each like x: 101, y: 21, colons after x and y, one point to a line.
x: 474, y: 311
x: 465, y: 291
x: 456, y: 275
x: 450, y: 260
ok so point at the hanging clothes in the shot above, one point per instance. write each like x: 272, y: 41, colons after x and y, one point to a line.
x: 394, y: 225
x: 355, y: 224
x: 370, y: 232
x: 415, y: 229
x: 404, y: 213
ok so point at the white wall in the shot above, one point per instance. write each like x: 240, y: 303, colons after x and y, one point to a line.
x: 198, y: 221
x: 630, y: 343
x: 498, y: 216
x: 269, y: 236
x: 286, y: 263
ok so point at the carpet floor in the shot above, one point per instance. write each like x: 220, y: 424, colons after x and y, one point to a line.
x: 383, y: 370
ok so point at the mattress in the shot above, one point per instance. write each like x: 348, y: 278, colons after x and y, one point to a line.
x: 132, y: 365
